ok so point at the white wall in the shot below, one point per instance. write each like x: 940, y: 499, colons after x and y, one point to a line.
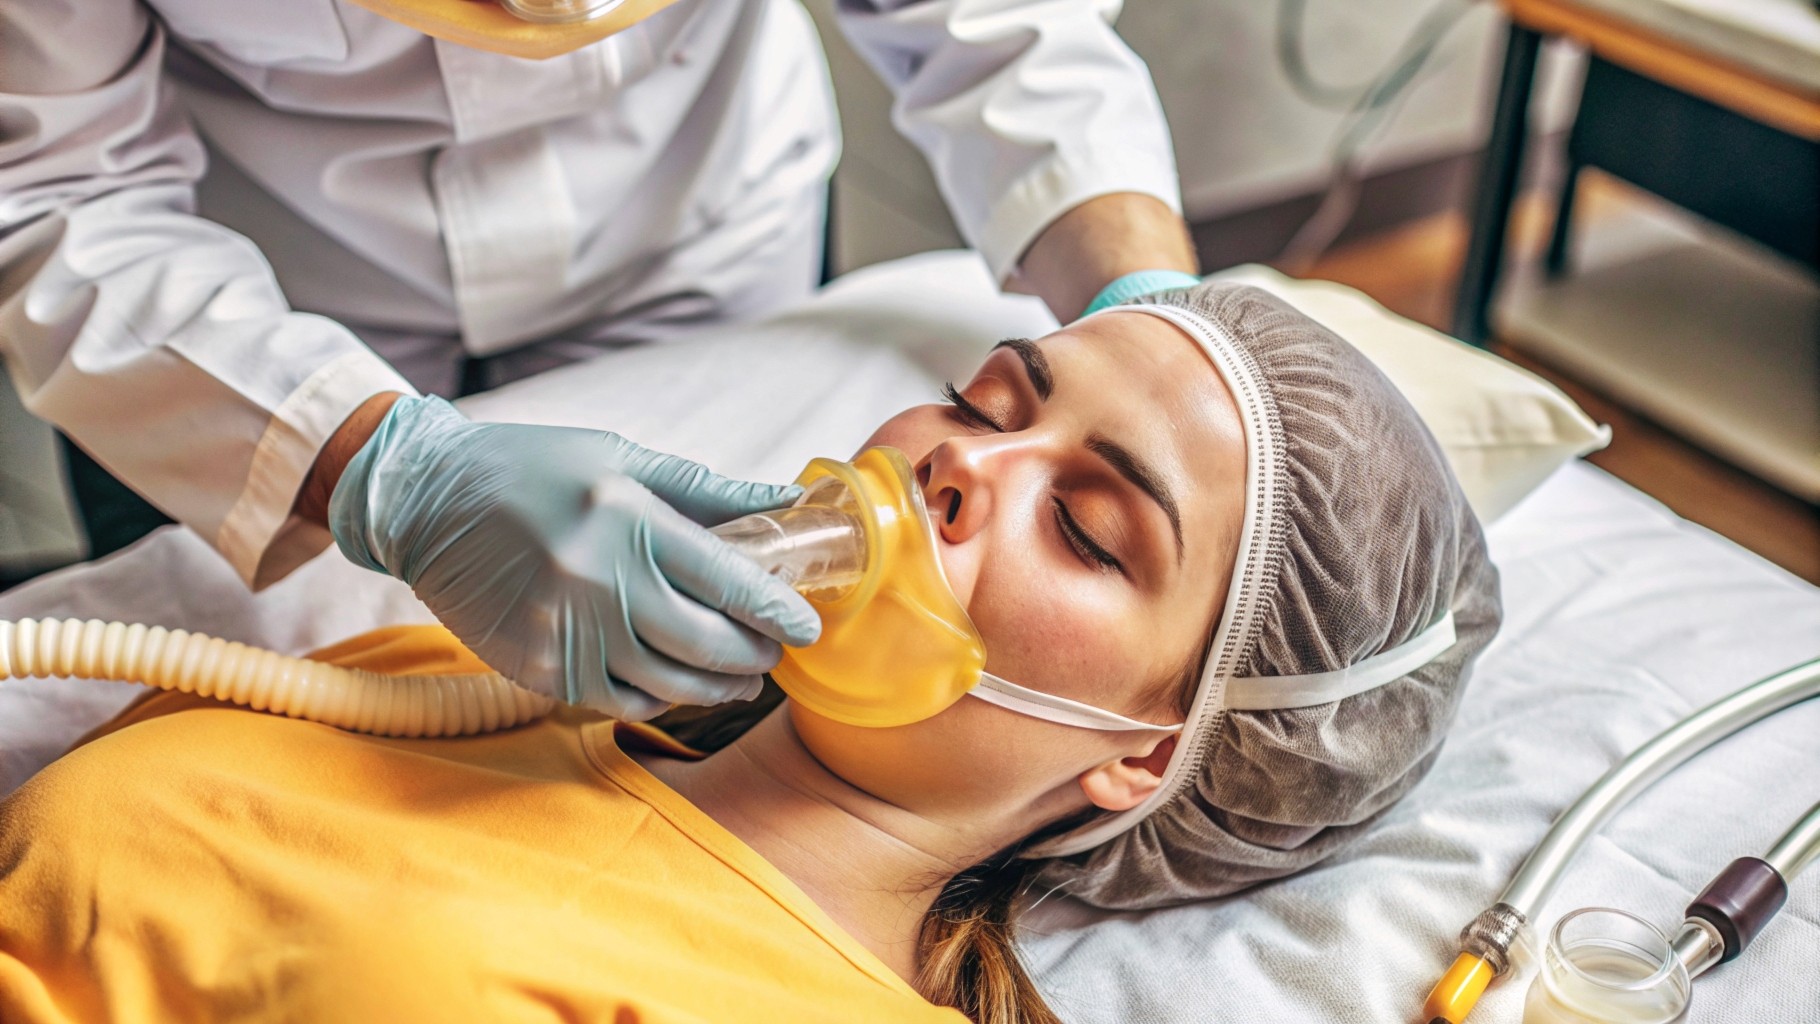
x: 1243, y: 137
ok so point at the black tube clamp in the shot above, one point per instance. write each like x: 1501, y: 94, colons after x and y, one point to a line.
x: 1739, y: 902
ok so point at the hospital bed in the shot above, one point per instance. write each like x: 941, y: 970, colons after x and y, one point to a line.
x: 1620, y: 619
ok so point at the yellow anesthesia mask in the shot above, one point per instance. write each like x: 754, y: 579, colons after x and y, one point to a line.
x: 532, y: 29
x: 896, y: 646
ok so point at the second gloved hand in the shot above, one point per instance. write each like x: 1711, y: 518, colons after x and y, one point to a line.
x: 572, y: 561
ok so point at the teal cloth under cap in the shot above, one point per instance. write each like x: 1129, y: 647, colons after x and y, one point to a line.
x: 1139, y: 283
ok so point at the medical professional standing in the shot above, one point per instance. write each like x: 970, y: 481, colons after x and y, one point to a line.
x: 241, y: 241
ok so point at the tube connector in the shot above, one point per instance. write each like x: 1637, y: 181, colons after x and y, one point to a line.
x: 817, y: 547
x: 1491, y: 935
x: 1485, y: 945
x: 1739, y: 902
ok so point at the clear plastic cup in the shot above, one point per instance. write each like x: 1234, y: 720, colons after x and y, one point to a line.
x: 1605, y: 966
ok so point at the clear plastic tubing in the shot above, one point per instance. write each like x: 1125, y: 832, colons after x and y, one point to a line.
x: 1798, y: 847
x: 347, y: 698
x: 817, y: 546
x: 1605, y: 966
x: 1741, y: 900
x: 1536, y: 879
x: 1486, y: 941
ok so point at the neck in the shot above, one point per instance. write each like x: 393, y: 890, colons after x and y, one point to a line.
x: 873, y: 866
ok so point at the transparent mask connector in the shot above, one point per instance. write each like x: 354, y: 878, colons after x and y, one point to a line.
x: 896, y: 645
x: 817, y: 546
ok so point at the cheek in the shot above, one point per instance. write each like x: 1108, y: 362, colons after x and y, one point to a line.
x: 1069, y: 633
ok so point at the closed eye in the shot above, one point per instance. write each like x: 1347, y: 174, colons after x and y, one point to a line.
x: 1089, y: 550
x: 969, y: 411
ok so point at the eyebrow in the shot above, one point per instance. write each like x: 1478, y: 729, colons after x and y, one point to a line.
x: 1035, y: 364
x: 1144, y: 479
x: 1129, y: 466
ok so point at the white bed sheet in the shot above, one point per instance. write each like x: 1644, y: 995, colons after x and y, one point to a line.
x: 1620, y: 618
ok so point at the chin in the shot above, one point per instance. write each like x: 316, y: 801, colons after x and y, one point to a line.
x: 894, y: 764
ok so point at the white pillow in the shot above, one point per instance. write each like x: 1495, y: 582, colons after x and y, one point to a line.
x: 1504, y: 429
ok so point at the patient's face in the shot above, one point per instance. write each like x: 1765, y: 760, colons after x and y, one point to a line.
x: 1088, y: 491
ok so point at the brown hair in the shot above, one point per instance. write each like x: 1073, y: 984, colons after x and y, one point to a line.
x: 967, y: 948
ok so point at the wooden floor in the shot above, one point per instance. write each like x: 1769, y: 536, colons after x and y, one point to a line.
x: 1413, y: 270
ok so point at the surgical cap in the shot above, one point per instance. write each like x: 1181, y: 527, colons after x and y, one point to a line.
x: 1357, y: 544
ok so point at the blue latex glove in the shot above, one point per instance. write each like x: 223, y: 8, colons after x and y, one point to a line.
x: 572, y: 561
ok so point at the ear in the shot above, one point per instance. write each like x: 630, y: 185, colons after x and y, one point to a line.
x: 1123, y: 784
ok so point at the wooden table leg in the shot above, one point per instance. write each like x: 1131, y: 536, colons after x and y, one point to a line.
x: 1497, y: 187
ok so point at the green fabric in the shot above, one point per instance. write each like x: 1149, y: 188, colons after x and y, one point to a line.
x: 1138, y: 284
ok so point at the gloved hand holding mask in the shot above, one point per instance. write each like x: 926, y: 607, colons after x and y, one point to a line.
x: 572, y: 561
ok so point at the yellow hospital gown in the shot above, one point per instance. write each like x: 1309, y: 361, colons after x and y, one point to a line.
x: 219, y: 865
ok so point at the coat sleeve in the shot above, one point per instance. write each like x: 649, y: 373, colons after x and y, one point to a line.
x: 157, y: 340
x: 1024, y: 109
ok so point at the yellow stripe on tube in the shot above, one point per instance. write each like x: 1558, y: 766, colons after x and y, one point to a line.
x: 1458, y: 991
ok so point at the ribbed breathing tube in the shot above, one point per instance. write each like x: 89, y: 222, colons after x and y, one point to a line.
x: 811, y: 546
x: 822, y: 546
x: 347, y: 698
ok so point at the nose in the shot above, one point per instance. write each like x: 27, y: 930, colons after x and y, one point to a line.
x: 962, y: 477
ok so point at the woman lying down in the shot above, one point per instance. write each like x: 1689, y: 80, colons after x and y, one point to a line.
x: 1204, y: 513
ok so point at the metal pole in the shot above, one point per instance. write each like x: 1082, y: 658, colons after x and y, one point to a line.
x: 1497, y: 187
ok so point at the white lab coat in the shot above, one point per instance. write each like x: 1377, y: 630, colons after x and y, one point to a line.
x: 355, y: 177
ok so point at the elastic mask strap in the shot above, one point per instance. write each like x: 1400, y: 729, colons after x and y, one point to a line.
x: 1060, y: 710
x: 1282, y: 693
x: 1247, y: 693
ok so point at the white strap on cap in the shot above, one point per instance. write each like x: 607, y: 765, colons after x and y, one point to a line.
x: 1060, y: 710
x: 1282, y: 693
